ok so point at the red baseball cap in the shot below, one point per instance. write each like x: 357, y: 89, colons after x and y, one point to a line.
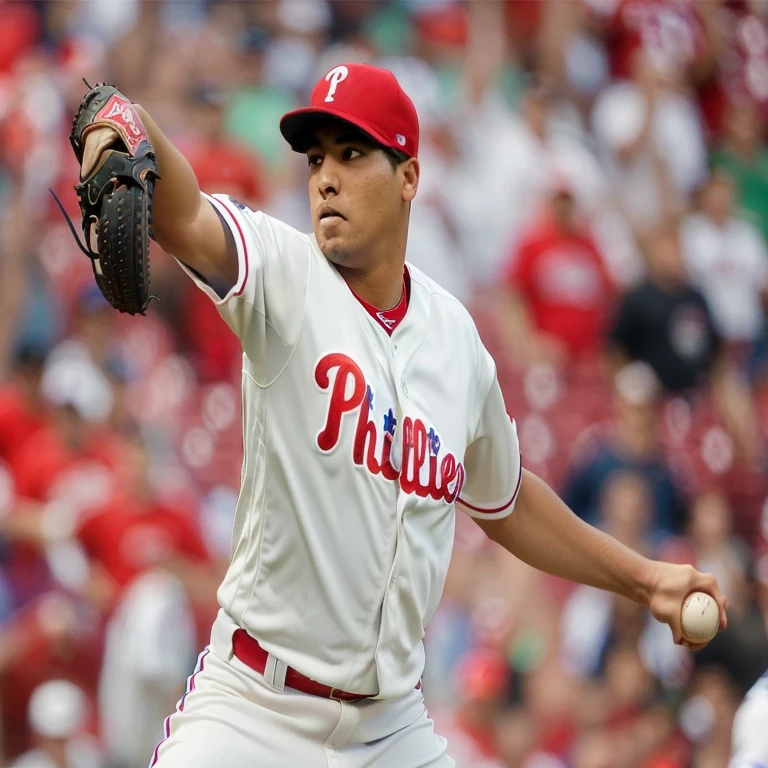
x: 370, y: 98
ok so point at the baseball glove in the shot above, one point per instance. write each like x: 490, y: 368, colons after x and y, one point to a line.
x: 116, y: 197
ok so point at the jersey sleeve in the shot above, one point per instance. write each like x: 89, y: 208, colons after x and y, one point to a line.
x: 273, y: 274
x: 492, y: 463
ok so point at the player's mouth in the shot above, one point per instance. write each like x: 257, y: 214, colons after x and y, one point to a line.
x: 328, y: 213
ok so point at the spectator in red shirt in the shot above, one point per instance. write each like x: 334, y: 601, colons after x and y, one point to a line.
x: 673, y: 32
x: 60, y: 471
x: 221, y: 164
x: 137, y: 529
x: 19, y: 31
x: 62, y: 459
x: 736, y: 31
x: 22, y: 408
x: 557, y: 287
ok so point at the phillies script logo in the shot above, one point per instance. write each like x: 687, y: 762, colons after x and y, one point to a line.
x: 123, y: 116
x: 349, y: 393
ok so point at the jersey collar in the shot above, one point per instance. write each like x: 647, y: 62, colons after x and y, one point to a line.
x: 389, y: 319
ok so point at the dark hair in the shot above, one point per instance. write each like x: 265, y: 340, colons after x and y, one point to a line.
x: 396, y: 157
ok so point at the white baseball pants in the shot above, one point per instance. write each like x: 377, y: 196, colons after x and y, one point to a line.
x: 231, y: 717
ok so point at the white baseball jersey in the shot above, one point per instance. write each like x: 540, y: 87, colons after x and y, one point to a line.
x: 749, y: 747
x: 357, y: 446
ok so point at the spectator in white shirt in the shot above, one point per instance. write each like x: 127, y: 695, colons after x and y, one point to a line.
x: 512, y: 157
x: 727, y: 260
x: 650, y: 135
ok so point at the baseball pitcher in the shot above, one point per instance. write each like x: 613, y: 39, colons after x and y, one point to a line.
x: 372, y: 413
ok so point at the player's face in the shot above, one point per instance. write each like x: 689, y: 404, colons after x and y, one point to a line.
x: 359, y: 203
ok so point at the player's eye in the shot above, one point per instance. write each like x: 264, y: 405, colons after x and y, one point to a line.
x: 350, y: 153
x: 314, y: 160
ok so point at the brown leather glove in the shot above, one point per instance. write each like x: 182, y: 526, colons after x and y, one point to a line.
x: 117, y: 176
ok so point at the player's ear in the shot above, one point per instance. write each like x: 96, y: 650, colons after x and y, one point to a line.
x: 410, y: 170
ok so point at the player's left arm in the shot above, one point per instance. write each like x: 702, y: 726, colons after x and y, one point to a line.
x: 543, y: 532
x: 520, y: 512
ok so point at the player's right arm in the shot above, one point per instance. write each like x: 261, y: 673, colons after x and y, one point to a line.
x: 253, y: 267
x: 184, y: 223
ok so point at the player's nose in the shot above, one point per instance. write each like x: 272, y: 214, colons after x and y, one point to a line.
x: 328, y: 181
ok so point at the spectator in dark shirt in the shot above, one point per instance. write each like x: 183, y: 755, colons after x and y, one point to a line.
x: 630, y: 447
x: 667, y: 323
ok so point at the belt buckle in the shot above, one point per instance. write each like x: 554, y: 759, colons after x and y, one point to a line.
x: 332, y: 694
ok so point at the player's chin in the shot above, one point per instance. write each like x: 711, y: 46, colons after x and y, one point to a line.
x: 335, y: 250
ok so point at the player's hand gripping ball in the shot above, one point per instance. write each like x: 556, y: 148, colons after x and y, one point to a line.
x: 117, y: 176
x: 700, y: 618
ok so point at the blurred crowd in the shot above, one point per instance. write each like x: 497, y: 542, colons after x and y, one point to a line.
x: 594, y: 188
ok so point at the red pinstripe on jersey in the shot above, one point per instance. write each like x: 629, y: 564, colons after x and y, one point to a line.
x: 504, y: 506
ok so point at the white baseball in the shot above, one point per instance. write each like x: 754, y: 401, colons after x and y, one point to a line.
x: 700, y: 617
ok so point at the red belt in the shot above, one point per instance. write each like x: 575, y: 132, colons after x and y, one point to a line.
x: 253, y: 655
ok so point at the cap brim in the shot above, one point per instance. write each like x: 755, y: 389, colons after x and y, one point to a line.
x: 297, y: 126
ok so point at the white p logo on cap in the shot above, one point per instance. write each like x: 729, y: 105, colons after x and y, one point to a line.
x: 334, y: 77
